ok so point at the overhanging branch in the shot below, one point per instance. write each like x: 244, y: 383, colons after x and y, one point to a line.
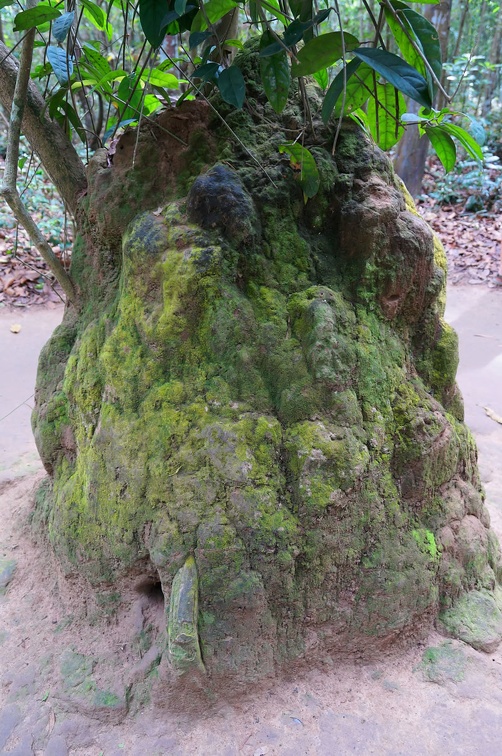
x: 8, y: 189
x: 46, y: 137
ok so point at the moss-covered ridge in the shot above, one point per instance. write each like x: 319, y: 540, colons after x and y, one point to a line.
x: 259, y: 389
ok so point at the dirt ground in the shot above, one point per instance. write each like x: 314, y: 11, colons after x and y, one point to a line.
x: 66, y: 664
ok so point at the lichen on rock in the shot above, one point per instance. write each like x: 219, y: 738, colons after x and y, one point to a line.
x: 263, y: 390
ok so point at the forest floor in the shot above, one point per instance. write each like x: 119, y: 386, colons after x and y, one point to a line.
x: 65, y: 665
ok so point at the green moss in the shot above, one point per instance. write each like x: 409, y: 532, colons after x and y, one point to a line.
x: 444, y: 663
x: 184, y: 650
x: 426, y: 542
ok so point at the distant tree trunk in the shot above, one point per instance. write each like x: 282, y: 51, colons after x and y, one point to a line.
x: 411, y: 152
x: 495, y: 58
x: 463, y: 18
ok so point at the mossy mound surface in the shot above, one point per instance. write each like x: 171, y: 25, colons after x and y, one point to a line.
x: 261, y: 393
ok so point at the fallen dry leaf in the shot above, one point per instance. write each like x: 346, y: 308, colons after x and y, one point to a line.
x: 493, y: 415
x: 51, y: 723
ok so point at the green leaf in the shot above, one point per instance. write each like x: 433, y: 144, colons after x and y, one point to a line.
x: 303, y: 161
x: 68, y: 113
x: 131, y: 93
x: 398, y: 73
x: 34, y: 17
x: 443, y: 146
x: 275, y: 76
x: 180, y: 6
x: 207, y: 72
x: 152, y: 16
x: 94, y: 62
x: 423, y: 34
x: 322, y: 78
x: 196, y: 38
x: 293, y: 33
x: 336, y: 88
x: 232, y: 86
x: 158, y: 78
x: 151, y: 103
x: 360, y: 117
x: 5, y: 3
x: 322, y: 52
x: 466, y: 140
x: 62, y: 25
x: 61, y: 63
x: 384, y: 111
x: 97, y: 17
x: 213, y: 11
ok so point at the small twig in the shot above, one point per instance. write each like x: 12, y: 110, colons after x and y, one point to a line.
x: 8, y: 190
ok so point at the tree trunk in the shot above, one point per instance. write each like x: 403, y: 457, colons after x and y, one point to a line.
x: 256, y: 408
x: 411, y: 154
x: 494, y: 76
x: 458, y: 41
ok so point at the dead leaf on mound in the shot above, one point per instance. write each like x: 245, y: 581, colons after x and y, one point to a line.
x: 51, y: 723
x: 15, y: 328
x: 493, y: 415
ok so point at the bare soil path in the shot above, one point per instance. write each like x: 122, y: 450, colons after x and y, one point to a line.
x: 65, y: 663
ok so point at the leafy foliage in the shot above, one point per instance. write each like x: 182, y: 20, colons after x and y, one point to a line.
x: 180, y: 49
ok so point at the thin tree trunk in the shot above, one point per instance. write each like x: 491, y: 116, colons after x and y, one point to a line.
x: 495, y: 57
x: 47, y: 139
x: 463, y: 18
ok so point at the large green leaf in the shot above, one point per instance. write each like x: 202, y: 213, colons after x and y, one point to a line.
x: 322, y: 52
x: 384, y: 111
x: 158, y: 78
x: 213, y: 11
x: 94, y: 62
x: 232, y: 86
x: 35, y: 17
x: 131, y: 93
x: 275, y: 76
x: 398, y: 73
x: 97, y: 17
x: 152, y: 16
x: 466, y: 140
x: 443, y: 146
x: 303, y: 161
x: 357, y: 80
x: 422, y: 33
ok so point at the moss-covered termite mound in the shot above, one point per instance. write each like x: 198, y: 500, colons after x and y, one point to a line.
x: 260, y: 392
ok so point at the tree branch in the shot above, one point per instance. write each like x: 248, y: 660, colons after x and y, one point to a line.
x: 8, y: 189
x: 46, y: 137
